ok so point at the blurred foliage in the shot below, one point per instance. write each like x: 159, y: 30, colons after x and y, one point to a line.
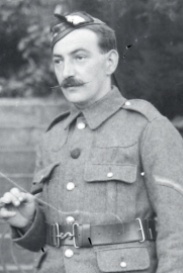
x: 25, y: 60
x: 150, y: 43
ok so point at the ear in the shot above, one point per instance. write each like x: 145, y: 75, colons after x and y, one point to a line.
x: 112, y: 59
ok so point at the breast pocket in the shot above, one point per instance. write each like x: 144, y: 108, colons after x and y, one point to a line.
x: 103, y: 183
x: 47, y: 181
x: 43, y: 177
x: 123, y: 260
x: 112, y: 163
x: 114, y: 155
x: 110, y: 172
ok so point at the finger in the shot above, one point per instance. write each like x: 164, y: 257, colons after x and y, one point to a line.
x: 4, y: 213
x: 9, y: 198
x: 28, y: 197
x: 17, y: 193
x: 22, y: 196
x: 6, y: 198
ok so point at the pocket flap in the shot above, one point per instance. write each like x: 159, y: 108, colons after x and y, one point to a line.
x: 96, y: 172
x: 123, y: 260
x: 41, y: 175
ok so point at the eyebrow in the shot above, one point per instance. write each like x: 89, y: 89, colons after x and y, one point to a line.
x: 72, y: 52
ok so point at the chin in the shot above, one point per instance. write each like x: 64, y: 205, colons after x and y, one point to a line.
x: 76, y: 99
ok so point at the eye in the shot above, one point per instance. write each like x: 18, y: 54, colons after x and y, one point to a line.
x: 57, y: 61
x: 80, y: 57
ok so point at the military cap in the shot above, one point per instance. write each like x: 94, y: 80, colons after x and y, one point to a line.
x: 70, y: 22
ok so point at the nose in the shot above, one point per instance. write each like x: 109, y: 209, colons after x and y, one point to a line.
x: 68, y: 69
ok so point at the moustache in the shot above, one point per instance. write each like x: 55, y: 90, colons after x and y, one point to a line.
x: 72, y: 82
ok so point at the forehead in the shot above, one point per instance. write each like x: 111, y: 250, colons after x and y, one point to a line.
x: 79, y: 38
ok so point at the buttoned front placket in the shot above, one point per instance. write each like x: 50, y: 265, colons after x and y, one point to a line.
x: 73, y: 190
x: 78, y: 147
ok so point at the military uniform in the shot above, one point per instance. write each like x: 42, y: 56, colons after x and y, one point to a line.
x: 114, y: 162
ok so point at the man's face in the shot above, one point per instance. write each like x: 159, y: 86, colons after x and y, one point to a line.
x: 80, y: 67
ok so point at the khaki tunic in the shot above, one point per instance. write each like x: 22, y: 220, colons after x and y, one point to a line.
x: 113, y: 162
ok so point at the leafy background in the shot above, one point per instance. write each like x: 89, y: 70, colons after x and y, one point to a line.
x: 150, y: 43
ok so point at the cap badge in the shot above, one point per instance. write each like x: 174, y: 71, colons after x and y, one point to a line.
x: 75, y: 19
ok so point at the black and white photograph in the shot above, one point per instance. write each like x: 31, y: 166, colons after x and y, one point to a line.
x: 91, y: 136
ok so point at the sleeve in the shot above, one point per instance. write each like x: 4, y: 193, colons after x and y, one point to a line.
x: 162, y: 160
x: 35, y: 237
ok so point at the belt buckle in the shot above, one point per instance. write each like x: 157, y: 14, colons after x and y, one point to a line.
x: 56, y: 237
x: 141, y: 229
x: 74, y: 226
x: 61, y: 236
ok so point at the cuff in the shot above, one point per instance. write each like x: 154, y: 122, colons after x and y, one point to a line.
x: 35, y: 237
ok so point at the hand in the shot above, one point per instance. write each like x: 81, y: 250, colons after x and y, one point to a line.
x: 19, y: 208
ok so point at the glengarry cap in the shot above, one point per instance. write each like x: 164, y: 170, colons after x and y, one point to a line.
x: 70, y: 22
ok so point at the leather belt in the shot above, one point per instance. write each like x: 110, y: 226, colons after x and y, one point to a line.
x: 87, y: 235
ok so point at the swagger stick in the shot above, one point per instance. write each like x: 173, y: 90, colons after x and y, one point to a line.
x: 2, y: 204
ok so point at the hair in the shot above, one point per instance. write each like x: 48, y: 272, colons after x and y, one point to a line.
x: 106, y: 36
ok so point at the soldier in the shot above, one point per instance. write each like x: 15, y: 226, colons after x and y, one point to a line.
x: 109, y: 169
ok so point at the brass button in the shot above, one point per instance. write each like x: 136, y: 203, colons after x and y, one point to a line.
x: 70, y: 186
x: 81, y: 125
x: 110, y: 174
x: 69, y: 253
x: 70, y: 220
x: 123, y: 264
x: 75, y: 153
x: 127, y: 103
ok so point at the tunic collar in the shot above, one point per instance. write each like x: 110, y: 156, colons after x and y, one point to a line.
x: 98, y: 112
